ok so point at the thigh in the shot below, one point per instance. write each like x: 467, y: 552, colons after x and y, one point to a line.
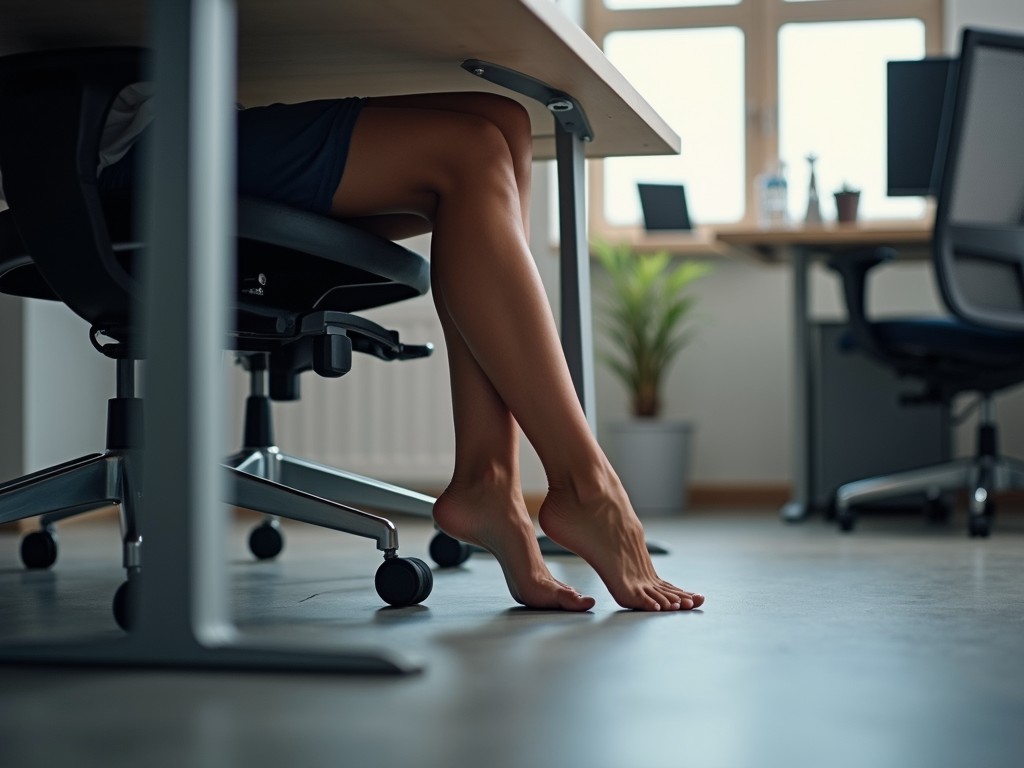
x: 509, y: 115
x: 401, y: 160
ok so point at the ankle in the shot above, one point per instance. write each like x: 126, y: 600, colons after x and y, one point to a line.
x: 488, y: 479
x: 592, y: 484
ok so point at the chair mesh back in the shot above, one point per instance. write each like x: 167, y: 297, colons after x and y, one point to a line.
x: 980, y: 218
x: 990, y: 163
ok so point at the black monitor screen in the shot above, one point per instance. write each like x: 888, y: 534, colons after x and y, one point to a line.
x: 916, y: 94
x: 664, y: 206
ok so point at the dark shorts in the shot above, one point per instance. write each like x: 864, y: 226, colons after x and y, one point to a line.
x: 292, y: 153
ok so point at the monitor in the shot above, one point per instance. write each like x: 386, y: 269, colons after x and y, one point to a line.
x: 915, y: 100
x: 664, y: 206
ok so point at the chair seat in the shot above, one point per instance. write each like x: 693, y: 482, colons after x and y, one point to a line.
x: 306, y: 261
x: 19, y: 275
x: 952, y: 338
x: 311, y: 252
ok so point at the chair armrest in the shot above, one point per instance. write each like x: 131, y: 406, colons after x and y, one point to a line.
x: 852, y: 268
x: 325, y: 341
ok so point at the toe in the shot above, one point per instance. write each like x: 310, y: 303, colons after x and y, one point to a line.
x: 664, y: 602
x: 571, y: 600
x: 640, y: 600
x: 686, y: 599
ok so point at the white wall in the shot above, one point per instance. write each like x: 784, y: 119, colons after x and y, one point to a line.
x: 999, y: 14
x: 66, y: 387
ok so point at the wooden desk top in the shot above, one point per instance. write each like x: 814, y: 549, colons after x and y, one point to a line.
x: 769, y: 244
x: 295, y: 50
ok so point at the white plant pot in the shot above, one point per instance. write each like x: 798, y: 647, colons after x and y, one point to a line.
x: 652, y: 458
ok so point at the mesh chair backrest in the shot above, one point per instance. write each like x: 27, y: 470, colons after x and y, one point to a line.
x: 52, y: 110
x: 979, y: 224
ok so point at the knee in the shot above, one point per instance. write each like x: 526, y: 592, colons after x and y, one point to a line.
x: 509, y: 116
x: 478, y: 150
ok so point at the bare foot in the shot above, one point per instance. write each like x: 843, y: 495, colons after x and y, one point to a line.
x: 604, y: 531
x: 499, y: 523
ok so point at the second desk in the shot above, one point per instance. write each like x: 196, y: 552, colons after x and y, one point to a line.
x: 800, y: 246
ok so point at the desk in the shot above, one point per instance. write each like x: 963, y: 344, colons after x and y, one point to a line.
x: 292, y: 51
x: 799, y: 246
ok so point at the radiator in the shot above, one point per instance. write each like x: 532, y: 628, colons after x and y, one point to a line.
x: 388, y: 420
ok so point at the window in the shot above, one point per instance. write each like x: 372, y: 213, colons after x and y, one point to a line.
x: 832, y: 85
x: 707, y: 111
x: 748, y: 84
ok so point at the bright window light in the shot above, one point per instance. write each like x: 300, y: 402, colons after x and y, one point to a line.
x: 693, y: 78
x: 832, y: 91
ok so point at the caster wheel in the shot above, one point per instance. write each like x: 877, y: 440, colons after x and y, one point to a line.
x: 846, y: 521
x: 980, y: 525
x: 448, y: 552
x: 39, y: 549
x: 266, y: 541
x: 404, y: 581
x: 937, y: 511
x: 122, y: 606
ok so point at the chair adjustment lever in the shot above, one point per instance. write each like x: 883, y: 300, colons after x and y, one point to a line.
x: 414, y: 351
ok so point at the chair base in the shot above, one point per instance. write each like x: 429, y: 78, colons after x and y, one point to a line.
x: 345, y: 490
x: 72, y: 488
x: 328, y: 482
x: 980, y: 477
x: 261, y: 458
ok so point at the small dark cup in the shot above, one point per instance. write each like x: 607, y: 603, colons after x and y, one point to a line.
x: 846, y: 206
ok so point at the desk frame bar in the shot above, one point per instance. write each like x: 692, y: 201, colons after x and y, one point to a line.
x: 577, y: 326
x: 799, y: 506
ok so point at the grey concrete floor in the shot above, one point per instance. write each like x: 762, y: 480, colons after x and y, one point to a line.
x: 898, y: 645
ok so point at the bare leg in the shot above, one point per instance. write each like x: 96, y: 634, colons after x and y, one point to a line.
x: 509, y: 118
x: 458, y: 170
x: 484, y: 504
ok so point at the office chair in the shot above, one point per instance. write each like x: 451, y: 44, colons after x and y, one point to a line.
x: 300, y: 277
x: 274, y: 377
x: 978, y: 256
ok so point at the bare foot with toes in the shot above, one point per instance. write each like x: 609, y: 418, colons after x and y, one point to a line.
x: 605, y: 531
x: 501, y: 524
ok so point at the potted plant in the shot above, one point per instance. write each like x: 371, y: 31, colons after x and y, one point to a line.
x: 847, y: 201
x: 646, y: 315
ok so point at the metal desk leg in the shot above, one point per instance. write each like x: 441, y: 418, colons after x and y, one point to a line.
x: 179, y: 606
x: 577, y: 328
x: 799, y: 507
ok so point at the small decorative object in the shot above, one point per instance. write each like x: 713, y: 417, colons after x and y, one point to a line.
x: 813, y: 208
x: 646, y: 316
x: 773, y: 197
x: 847, y: 201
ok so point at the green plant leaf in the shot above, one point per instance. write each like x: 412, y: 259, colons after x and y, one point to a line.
x: 646, y: 313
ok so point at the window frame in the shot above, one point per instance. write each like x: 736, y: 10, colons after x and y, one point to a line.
x: 760, y: 22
